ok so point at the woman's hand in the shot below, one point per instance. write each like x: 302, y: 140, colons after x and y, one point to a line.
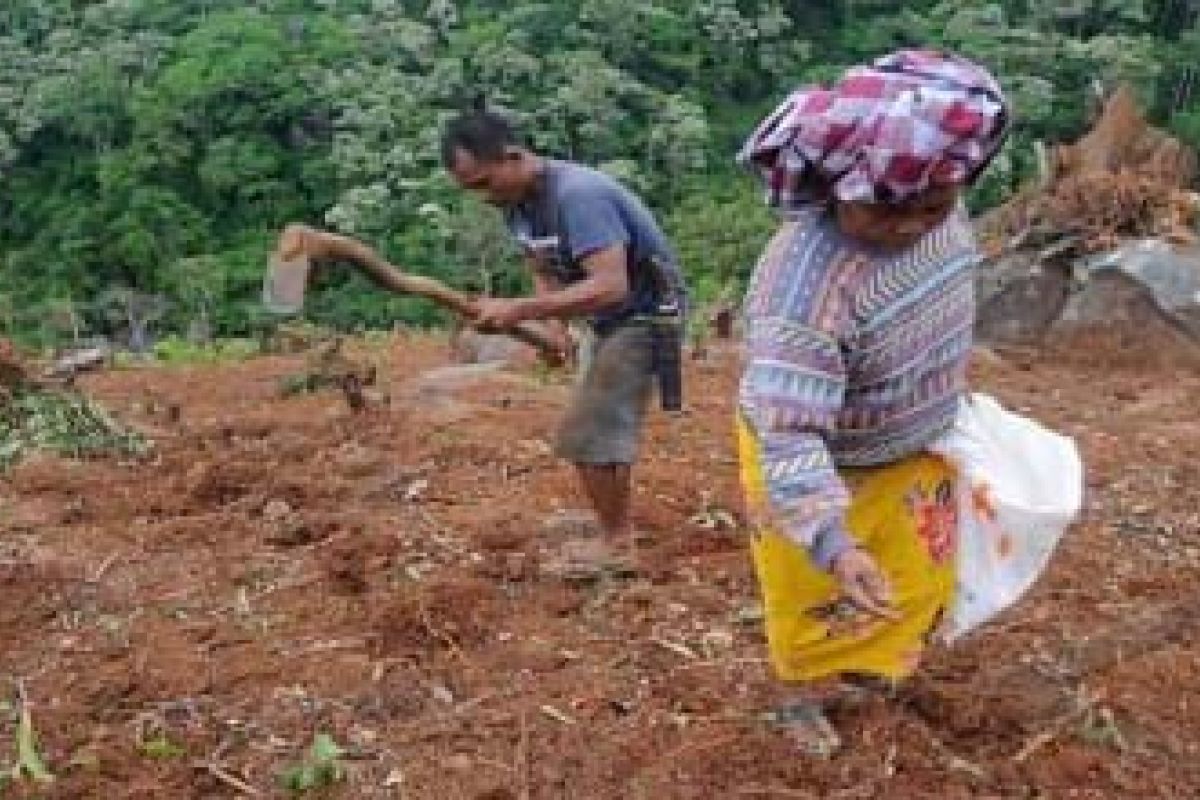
x: 864, y: 583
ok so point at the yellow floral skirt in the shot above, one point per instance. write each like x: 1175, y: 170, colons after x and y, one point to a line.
x: 904, y: 515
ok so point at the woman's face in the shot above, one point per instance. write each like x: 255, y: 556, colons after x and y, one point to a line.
x: 895, y: 227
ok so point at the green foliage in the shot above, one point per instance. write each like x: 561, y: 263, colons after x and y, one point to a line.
x: 160, y: 748
x: 320, y: 768
x: 29, y: 764
x: 1186, y: 125
x: 719, y: 229
x: 157, y: 147
x: 32, y: 418
x: 177, y: 350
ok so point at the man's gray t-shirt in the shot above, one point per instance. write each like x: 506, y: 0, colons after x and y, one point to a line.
x: 578, y: 211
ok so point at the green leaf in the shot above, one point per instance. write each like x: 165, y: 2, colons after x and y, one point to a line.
x: 161, y: 748
x: 320, y: 768
x: 325, y: 750
x: 299, y: 779
x: 29, y: 762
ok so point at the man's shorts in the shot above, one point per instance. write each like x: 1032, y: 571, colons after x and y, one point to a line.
x: 604, y: 422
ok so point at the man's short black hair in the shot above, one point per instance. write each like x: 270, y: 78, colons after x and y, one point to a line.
x: 482, y: 133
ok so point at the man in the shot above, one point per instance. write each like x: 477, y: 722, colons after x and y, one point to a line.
x: 595, y: 252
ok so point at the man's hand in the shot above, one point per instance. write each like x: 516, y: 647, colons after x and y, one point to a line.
x: 566, y: 354
x: 864, y: 583
x: 498, y: 314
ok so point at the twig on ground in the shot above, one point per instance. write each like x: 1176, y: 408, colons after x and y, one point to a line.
x: 1036, y: 742
x: 104, y: 567
x: 772, y: 791
x: 230, y: 780
x: 212, y: 765
x: 675, y: 647
x: 555, y: 714
x: 721, y: 662
x: 523, y: 757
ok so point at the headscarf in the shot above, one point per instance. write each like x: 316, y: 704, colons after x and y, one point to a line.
x: 884, y: 133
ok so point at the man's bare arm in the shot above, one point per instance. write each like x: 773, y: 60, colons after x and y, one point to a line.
x: 606, y: 286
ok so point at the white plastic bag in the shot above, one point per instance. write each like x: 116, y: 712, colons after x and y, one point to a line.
x: 1020, y: 486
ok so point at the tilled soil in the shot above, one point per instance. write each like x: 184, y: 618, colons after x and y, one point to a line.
x: 282, y: 567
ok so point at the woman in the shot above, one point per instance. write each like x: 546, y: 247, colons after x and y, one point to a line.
x: 859, y: 321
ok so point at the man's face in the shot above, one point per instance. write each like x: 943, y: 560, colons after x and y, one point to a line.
x: 896, y: 227
x: 499, y: 182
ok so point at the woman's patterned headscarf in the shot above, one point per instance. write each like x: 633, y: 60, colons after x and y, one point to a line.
x: 884, y: 133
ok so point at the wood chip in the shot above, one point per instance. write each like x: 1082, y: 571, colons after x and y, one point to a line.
x: 676, y: 648
x: 555, y: 714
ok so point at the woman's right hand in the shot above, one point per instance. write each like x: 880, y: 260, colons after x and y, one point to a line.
x: 864, y: 583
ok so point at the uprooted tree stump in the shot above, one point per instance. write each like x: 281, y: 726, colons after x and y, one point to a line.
x: 1106, y: 238
x: 1123, y: 179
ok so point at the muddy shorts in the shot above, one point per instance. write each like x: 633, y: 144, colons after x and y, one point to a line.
x: 604, y: 422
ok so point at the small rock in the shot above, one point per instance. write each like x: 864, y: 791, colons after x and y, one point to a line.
x: 460, y: 762
x: 622, y: 707
x: 365, y: 737
x: 750, y: 615
x: 356, y: 461
x: 276, y: 510
x: 515, y: 567
x: 414, y: 491
x: 717, y: 640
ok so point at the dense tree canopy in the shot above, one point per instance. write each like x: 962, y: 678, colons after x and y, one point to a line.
x: 154, y: 147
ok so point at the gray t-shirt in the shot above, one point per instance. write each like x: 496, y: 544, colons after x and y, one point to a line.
x: 578, y: 211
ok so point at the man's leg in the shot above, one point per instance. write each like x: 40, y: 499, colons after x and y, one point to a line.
x: 601, y: 430
x: 608, y: 487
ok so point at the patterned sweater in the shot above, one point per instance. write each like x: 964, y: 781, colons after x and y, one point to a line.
x: 857, y: 357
